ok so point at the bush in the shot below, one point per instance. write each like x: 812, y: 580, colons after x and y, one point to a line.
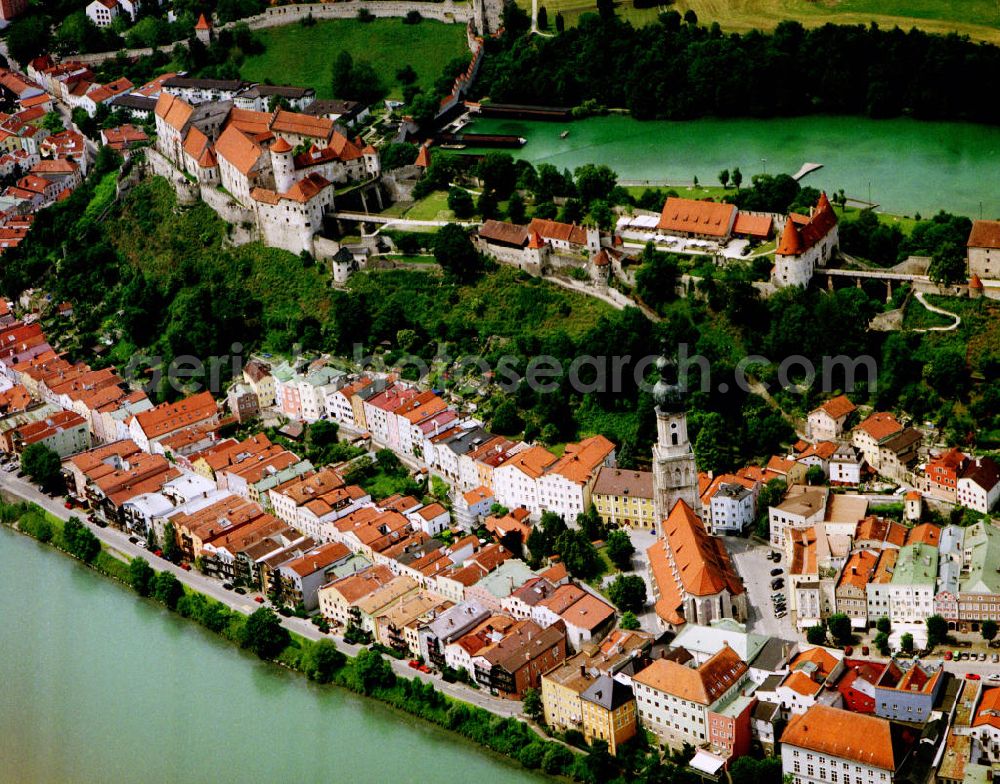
x: 412, y: 18
x: 34, y: 524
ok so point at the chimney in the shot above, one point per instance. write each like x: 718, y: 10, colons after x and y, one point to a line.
x: 583, y: 671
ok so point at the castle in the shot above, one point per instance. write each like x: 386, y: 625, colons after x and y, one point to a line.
x: 544, y: 246
x: 806, y: 242
x: 279, y: 169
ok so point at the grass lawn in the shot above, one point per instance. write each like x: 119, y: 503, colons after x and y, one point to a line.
x: 977, y: 18
x: 434, y: 206
x: 304, y: 56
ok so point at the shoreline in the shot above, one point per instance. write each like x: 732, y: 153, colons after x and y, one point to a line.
x: 397, y: 697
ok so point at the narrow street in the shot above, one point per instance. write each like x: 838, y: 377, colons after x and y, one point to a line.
x: 117, y: 543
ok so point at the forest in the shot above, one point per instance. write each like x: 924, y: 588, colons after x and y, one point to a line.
x: 679, y: 70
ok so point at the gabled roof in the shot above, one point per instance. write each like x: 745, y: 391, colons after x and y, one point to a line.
x: 984, y: 234
x: 238, y: 150
x: 173, y: 111
x: 881, y: 425
x: 697, y: 217
x: 703, y: 685
x: 837, y: 407
x: 840, y: 733
x: 554, y: 230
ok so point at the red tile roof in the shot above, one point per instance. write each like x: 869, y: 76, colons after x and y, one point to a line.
x: 840, y: 733
x: 984, y: 234
x: 697, y: 217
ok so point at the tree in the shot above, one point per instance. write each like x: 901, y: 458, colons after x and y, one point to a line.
x: 486, y: 205
x: 594, y: 181
x: 424, y: 108
x: 988, y: 629
x: 882, y: 643
x: 543, y: 18
x: 560, y: 22
x: 579, y: 554
x: 516, y: 212
x: 532, y: 702
x: 323, y: 433
x: 629, y: 621
x: 42, y: 465
x: 840, y: 627
x: 816, y: 635
x: 937, y: 630
x: 141, y: 576
x: 748, y: 770
x: 628, y: 592
x: 167, y: 589
x: 343, y: 67
x: 406, y: 75
x: 497, y: 173
x: 737, y: 177
x: 454, y: 251
x: 906, y: 642
x: 724, y: 178
x: 398, y: 154
x: 171, y: 550
x: 691, y: 17
x: 80, y: 540
x: 606, y: 9
x: 620, y: 549
x: 557, y: 759
x: 412, y: 18
x: 263, y: 634
x: 373, y: 671
x: 460, y: 202
x: 883, y: 625
x: 815, y: 475
x: 324, y: 661
x: 29, y: 36
x: 506, y: 419
x: 389, y: 462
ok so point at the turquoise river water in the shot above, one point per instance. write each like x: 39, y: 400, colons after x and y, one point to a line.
x: 97, y: 685
x: 909, y: 166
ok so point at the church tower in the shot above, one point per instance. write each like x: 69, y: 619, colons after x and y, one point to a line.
x: 675, y: 475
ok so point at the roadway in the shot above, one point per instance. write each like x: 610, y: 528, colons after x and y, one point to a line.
x: 117, y: 543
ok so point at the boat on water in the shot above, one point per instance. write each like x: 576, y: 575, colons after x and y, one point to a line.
x: 564, y: 134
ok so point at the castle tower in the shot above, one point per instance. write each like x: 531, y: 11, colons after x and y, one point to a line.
x: 486, y: 16
x: 373, y: 166
x: 282, y: 165
x: 675, y: 474
x: 203, y: 30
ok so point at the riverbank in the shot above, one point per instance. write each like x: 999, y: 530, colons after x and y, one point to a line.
x: 365, y: 673
x: 890, y: 162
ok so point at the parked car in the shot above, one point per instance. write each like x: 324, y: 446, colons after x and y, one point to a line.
x: 133, y: 540
x: 414, y: 664
x: 848, y: 650
x: 240, y: 590
x: 982, y: 657
x: 947, y: 655
x: 781, y: 614
x: 228, y: 586
x: 424, y: 668
x: 259, y: 599
x: 67, y: 504
x: 777, y: 583
x: 995, y: 658
x: 972, y: 676
x: 776, y: 572
x: 865, y: 650
x: 186, y: 567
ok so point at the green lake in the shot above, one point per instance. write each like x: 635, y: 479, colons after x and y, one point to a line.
x: 99, y: 685
x: 909, y: 166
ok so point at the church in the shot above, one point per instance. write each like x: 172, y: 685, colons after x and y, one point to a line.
x: 693, y: 578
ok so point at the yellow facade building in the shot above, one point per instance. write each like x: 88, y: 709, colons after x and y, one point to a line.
x: 609, y: 712
x: 624, y: 498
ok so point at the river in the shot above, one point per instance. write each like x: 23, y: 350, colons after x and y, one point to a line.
x: 910, y: 166
x: 99, y: 685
